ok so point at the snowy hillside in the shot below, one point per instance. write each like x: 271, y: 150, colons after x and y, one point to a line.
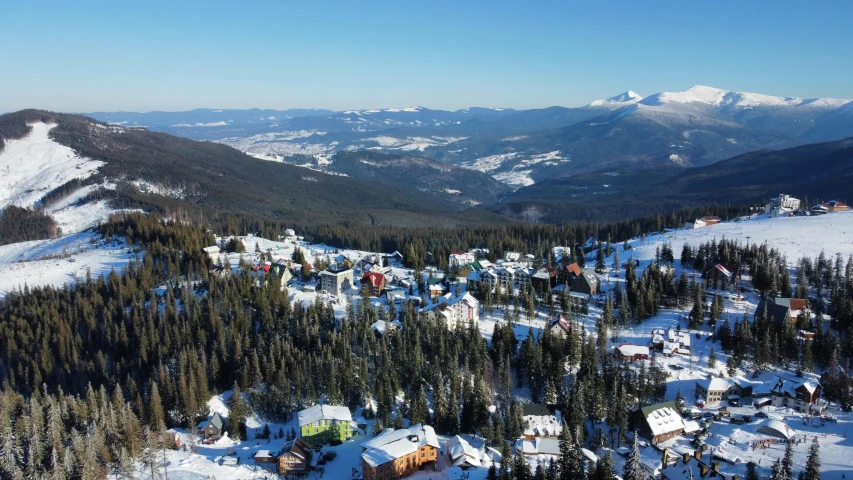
x: 32, y: 166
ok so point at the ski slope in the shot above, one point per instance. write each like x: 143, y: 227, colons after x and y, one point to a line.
x: 34, y: 165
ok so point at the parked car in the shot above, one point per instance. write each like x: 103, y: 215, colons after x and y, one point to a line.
x: 760, y: 415
x: 708, y: 415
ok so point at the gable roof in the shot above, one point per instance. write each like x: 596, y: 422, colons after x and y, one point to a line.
x: 324, y: 412
x: 560, y: 320
x: 392, y: 444
x: 574, y: 269
x: 663, y: 418
x: 777, y: 313
x: 374, y: 278
x: 538, y: 409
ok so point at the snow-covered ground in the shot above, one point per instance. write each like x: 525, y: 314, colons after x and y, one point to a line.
x: 34, y: 165
x: 59, y: 261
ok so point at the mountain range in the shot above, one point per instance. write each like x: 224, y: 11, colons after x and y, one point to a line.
x: 624, y: 133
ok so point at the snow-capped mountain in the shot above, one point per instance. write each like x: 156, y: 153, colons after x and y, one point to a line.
x: 697, y: 126
x: 622, y: 99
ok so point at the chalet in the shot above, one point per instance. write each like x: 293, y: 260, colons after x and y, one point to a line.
x: 796, y: 305
x: 294, y: 458
x: 560, y: 326
x: 778, y: 313
x: 587, y: 283
x: 395, y: 257
x: 381, y: 327
x: 212, y: 252
x: 218, y: 271
x: 436, y: 287
x: 459, y: 259
x: 375, y: 282
x: 396, y: 296
x: 343, y: 261
x: 539, y: 421
x: 265, y: 460
x: 454, y: 310
x: 465, y: 451
x: 676, y: 342
x: 212, y: 428
x: 544, y: 279
x: 705, y: 221
x: 715, y: 390
x: 835, y: 206
x: 782, y: 206
x: 801, y: 396
x: 658, y: 422
x: 573, y: 271
x: 631, y: 353
x: 718, y: 277
x: 540, y: 446
x: 336, y: 279
x: 395, y: 454
x: 289, y: 232
x: 322, y: 424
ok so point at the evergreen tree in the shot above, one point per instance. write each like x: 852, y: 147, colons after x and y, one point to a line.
x: 812, y: 471
x: 634, y: 469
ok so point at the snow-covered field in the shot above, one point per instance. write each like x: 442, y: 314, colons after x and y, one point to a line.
x: 794, y: 237
x: 59, y: 261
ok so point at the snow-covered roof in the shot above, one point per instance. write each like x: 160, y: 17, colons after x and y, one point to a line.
x: 324, y: 412
x: 777, y: 428
x: 716, y: 384
x: 392, y: 444
x: 664, y: 420
x: 263, y: 454
x: 630, y: 350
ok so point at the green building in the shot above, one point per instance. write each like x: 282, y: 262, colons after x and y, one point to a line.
x: 323, y: 424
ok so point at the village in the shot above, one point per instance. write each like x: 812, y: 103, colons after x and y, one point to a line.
x: 713, y: 422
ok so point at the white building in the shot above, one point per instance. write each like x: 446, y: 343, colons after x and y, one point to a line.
x: 459, y: 259
x: 782, y: 206
x: 453, y: 311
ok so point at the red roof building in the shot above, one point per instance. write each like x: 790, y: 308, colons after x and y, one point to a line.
x: 375, y: 281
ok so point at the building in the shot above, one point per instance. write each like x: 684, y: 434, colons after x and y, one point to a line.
x: 294, y: 458
x: 212, y: 429
x: 463, y: 454
x: 631, y: 353
x: 381, y: 327
x: 539, y: 421
x: 835, y: 206
x: 715, y: 390
x: 560, y: 326
x: 336, y: 279
x: 782, y: 206
x: 323, y: 424
x: 522, y: 277
x: 705, y: 221
x: 676, y: 342
x: 544, y: 279
x: 658, y: 422
x: 375, y: 281
x: 718, y: 277
x: 587, y: 283
x: 212, y: 252
x: 462, y: 310
x: 777, y: 313
x: 546, y: 446
x: 395, y: 454
x: 801, y: 396
x: 265, y: 459
x: 458, y: 259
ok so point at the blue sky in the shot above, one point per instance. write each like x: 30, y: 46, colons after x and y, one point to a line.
x: 152, y: 55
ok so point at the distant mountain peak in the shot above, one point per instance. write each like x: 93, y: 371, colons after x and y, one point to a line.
x: 626, y: 98
x: 718, y: 97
